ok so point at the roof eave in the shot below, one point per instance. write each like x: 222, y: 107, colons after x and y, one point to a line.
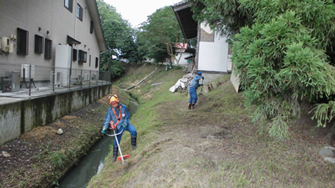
x: 180, y: 7
x: 94, y: 12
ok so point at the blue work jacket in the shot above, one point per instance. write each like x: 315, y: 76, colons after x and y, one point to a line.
x: 111, y: 116
x: 195, y: 81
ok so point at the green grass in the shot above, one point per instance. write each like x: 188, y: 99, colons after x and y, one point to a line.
x: 215, y: 145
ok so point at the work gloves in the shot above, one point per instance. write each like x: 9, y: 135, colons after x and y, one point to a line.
x: 124, y: 125
x: 203, y: 78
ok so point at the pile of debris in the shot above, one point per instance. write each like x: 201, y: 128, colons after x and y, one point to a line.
x: 182, y: 84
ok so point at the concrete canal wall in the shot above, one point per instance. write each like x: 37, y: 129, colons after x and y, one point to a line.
x: 19, y: 117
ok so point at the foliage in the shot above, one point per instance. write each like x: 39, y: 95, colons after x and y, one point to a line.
x: 120, y: 40
x: 113, y: 66
x: 226, y: 16
x: 279, y: 54
x: 58, y: 158
x: 279, y: 65
x: 159, y: 34
x: 131, y: 50
x: 316, y: 15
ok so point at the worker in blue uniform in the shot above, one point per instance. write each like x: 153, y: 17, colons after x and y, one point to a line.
x: 193, y: 90
x: 117, y: 118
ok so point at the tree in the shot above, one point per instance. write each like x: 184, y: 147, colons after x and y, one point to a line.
x: 120, y: 40
x: 280, y: 55
x: 160, y: 33
x: 131, y: 50
x: 224, y: 16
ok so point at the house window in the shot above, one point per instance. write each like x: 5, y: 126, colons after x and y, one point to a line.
x: 82, y: 56
x: 79, y: 12
x: 68, y: 4
x: 89, y: 64
x: 47, y: 48
x: 91, y: 27
x: 22, y: 41
x: 74, y: 55
x: 96, y: 62
x: 38, y: 44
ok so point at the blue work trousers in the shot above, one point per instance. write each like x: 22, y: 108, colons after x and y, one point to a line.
x: 193, y: 94
x: 130, y: 128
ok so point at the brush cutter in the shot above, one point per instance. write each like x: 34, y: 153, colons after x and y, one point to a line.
x: 121, y: 157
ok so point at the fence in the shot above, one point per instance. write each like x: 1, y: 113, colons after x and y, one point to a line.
x: 26, y: 79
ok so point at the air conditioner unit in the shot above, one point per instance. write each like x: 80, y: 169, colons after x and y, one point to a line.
x: 25, y: 69
x: 11, y: 82
x: 58, y: 78
x: 5, y: 44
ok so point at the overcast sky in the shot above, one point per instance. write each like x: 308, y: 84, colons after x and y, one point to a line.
x: 137, y: 11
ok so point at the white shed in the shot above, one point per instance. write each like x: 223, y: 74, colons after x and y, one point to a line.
x: 212, y: 53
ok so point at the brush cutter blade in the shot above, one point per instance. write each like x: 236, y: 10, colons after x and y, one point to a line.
x: 124, y: 157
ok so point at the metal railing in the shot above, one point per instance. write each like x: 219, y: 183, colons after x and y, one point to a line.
x: 27, y: 79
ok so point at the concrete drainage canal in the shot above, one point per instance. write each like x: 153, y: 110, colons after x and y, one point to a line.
x: 93, y: 162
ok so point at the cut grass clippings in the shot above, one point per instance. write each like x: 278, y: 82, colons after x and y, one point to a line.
x: 215, y: 145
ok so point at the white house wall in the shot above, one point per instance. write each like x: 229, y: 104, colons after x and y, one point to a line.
x: 52, y: 16
x: 182, y: 61
x: 222, y: 51
x: 213, y: 56
x: 207, y: 57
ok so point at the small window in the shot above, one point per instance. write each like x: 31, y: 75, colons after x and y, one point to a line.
x: 68, y: 4
x: 82, y: 56
x: 89, y: 60
x: 38, y: 44
x: 47, y: 48
x: 91, y: 27
x: 22, y: 41
x: 79, y: 12
x: 96, y: 62
x: 74, y: 55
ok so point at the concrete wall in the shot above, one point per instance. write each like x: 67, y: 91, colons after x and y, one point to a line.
x: 19, y: 117
x: 53, y: 17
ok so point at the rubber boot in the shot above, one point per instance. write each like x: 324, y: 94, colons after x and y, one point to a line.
x: 192, y: 106
x: 133, y: 142
x: 115, y: 150
x: 189, y: 105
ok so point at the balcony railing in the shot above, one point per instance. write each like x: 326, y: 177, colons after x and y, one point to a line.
x: 29, y: 80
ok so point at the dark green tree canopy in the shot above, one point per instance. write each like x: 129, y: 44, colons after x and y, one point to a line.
x: 226, y: 16
x: 159, y: 34
x: 120, y: 39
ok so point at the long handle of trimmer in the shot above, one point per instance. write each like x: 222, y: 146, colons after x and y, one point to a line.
x: 118, y: 145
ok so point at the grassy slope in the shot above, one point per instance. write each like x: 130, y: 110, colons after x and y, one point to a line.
x: 215, y: 145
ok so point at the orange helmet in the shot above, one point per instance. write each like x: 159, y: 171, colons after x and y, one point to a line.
x: 114, y: 99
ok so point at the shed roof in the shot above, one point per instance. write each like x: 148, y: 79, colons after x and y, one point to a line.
x: 187, y: 24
